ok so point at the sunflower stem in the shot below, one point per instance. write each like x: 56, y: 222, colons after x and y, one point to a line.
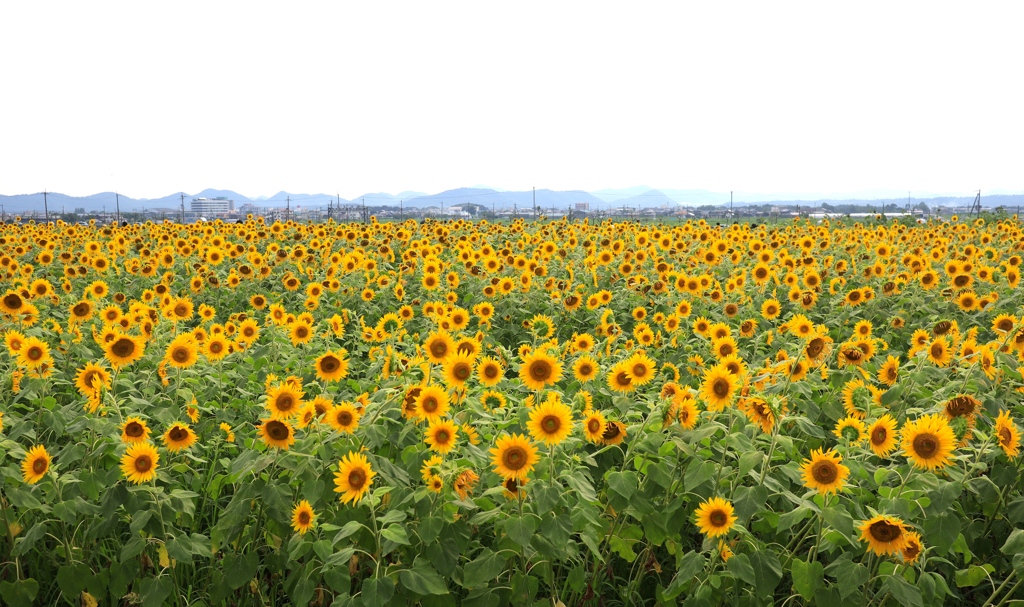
x: 991, y: 597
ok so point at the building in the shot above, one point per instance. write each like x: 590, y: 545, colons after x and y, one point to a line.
x: 582, y: 206
x: 212, y: 206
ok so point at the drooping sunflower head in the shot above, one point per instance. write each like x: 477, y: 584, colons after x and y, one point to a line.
x: 614, y: 433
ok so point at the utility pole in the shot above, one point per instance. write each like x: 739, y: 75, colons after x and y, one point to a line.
x: 401, y: 209
x: 118, y: 208
x: 364, y: 210
x: 183, y: 207
x: 46, y: 208
x: 288, y: 211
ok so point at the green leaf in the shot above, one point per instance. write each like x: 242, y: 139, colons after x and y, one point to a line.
x: 302, y: 594
x: 1014, y: 544
x: 739, y: 565
x: 623, y: 483
x: 942, y: 530
x: 973, y: 575
x: 698, y: 472
x: 349, y: 528
x: 395, y: 533
x: 904, y: 593
x: 749, y: 461
x: 376, y: 592
x: 429, y: 528
x: 850, y: 576
x: 73, y: 579
x: 180, y: 548
x: 154, y: 590
x: 793, y: 517
x: 521, y: 529
x: 767, y: 572
x: 807, y: 577
x: 484, y: 568
x: 423, y: 579
x: 240, y: 568
x: 839, y: 519
x: 19, y: 593
x: 690, y: 565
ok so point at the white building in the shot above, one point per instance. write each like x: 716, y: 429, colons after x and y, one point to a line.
x: 212, y: 206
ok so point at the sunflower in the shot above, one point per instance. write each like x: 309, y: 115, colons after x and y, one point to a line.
x: 353, y: 478
x: 539, y: 369
x: 440, y: 435
x: 134, y: 430
x: 724, y: 346
x: 81, y: 311
x: 884, y: 534
x: 687, y: 413
x: 1008, y: 434
x: 1004, y: 323
x: 331, y: 366
x: 11, y: 302
x: 550, y: 423
x: 303, y: 517
x: 585, y: 368
x: 432, y: 404
x: 464, y: 483
x: 823, y: 472
x: 759, y: 412
x: 489, y: 372
x: 277, y: 433
x: 34, y: 353
x: 492, y: 400
x: 179, y: 436
x: 458, y: 368
x: 91, y: 378
x: 35, y: 464
x: 284, y: 401
x: 912, y: 551
x: 593, y: 426
x: 640, y: 368
x: 300, y: 333
x: 182, y: 352
x: 216, y: 348
x: 771, y: 309
x: 14, y: 340
x: 928, y: 441
x: 343, y: 417
x: 514, y: 456
x: 614, y: 433
x: 850, y: 429
x: 438, y: 346
x: 890, y: 371
x: 882, y: 436
x: 431, y: 467
x: 124, y: 350
x: 619, y: 378
x: 938, y: 352
x: 715, y: 517
x: 856, y: 398
x: 139, y: 462
x: 718, y: 387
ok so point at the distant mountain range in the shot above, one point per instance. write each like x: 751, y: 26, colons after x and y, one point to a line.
x: 636, y: 197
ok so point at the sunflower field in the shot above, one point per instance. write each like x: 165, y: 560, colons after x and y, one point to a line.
x: 548, y: 413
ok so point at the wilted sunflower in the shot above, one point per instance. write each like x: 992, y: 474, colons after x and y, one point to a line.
x: 1008, y: 434
x: 823, y: 472
x: 303, y: 517
x: 514, y: 456
x: 489, y: 372
x: 890, y: 371
x: 912, y: 551
x: 35, y: 465
x: 928, y: 441
x: 139, y: 462
x: 331, y: 366
x: 593, y: 426
x: 550, y: 423
x: 884, y: 534
x: 440, y: 435
x: 353, y: 478
x: 614, y: 433
x: 277, y: 433
x: 464, y: 483
x: 718, y: 387
x: 882, y: 436
x: 179, y: 436
x: 124, y: 350
x: 540, y: 369
x: 715, y: 517
x: 284, y: 401
x: 134, y: 430
x: 432, y: 403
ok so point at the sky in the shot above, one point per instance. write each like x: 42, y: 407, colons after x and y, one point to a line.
x: 149, y: 99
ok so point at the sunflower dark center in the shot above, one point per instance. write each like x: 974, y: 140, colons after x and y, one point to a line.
x: 514, y: 458
x: 123, y: 347
x: 815, y: 346
x: 550, y: 424
x: 540, y: 370
x: 39, y: 465
x: 442, y: 437
x: 911, y: 551
x: 277, y: 430
x: 1005, y: 437
x: 961, y: 280
x: 12, y: 301
x: 490, y: 371
x: 594, y: 426
x: 718, y: 518
x: 461, y: 371
x: 879, y: 435
x: 357, y: 478
x: 611, y: 431
x: 937, y: 350
x: 430, y: 404
x: 143, y: 463
x: 178, y: 434
x: 180, y: 355
x: 926, y: 445
x: 34, y: 353
x: 883, y: 531
x: 216, y: 347
x: 942, y: 327
x: 134, y: 429
x: 1005, y: 324
x: 285, y: 402
x: 344, y: 418
x: 639, y: 370
x: 853, y: 354
x: 329, y: 364
x: 439, y: 349
x: 960, y: 406
x: 720, y: 387
x: 302, y: 331
x: 825, y: 472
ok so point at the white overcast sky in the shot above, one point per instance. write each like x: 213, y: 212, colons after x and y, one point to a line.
x: 352, y: 97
